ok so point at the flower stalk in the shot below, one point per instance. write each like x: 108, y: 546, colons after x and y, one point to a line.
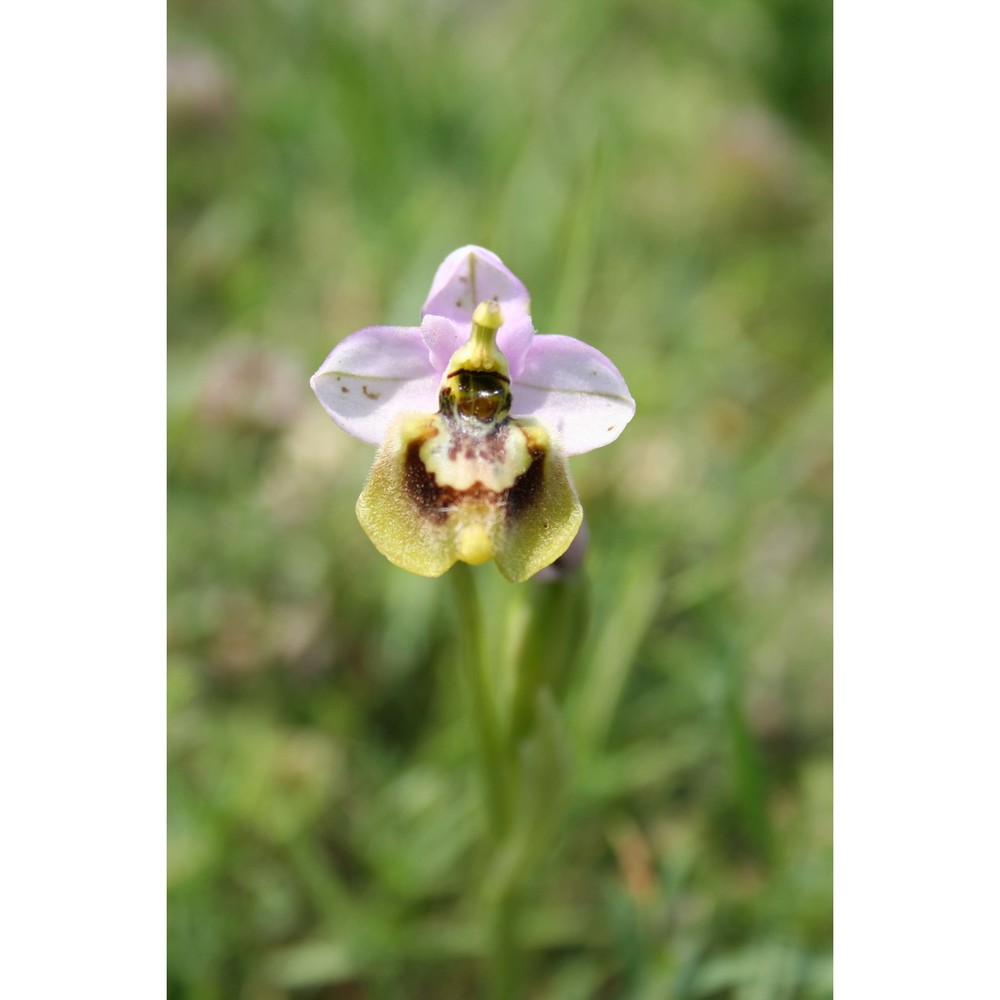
x: 522, y: 751
x: 486, y: 721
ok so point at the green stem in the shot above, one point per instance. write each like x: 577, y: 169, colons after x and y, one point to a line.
x: 506, y: 949
x: 474, y: 666
x: 498, y: 776
x: 520, y: 751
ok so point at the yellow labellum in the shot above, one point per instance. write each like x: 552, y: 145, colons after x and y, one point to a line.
x: 425, y: 526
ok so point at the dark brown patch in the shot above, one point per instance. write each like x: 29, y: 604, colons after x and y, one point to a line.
x: 344, y: 388
x: 420, y: 485
x: 370, y: 395
x: 529, y: 486
x: 436, y: 502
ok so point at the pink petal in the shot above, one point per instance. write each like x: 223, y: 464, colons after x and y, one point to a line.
x: 574, y: 389
x: 443, y: 338
x: 372, y: 376
x: 514, y: 338
x: 469, y: 276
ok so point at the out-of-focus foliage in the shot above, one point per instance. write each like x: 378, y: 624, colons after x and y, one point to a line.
x: 658, y: 173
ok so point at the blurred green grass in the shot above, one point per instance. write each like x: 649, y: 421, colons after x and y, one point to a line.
x: 658, y: 174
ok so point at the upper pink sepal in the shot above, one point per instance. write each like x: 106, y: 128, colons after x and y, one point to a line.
x: 471, y: 275
x: 373, y: 375
x: 573, y: 388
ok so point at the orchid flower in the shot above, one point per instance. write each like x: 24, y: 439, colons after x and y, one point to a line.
x: 474, y: 415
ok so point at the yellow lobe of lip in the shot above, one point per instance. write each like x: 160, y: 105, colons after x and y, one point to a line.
x: 473, y: 545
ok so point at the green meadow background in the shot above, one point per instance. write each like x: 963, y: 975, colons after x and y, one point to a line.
x: 658, y: 173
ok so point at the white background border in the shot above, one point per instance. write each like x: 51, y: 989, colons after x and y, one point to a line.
x: 917, y: 318
x: 83, y: 321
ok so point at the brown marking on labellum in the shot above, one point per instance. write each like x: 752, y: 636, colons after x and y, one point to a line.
x: 437, y: 503
x: 420, y: 485
x: 612, y: 427
x: 344, y: 388
x: 370, y: 395
x: 528, y: 487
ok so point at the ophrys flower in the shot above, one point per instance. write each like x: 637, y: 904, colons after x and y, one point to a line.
x: 474, y: 415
